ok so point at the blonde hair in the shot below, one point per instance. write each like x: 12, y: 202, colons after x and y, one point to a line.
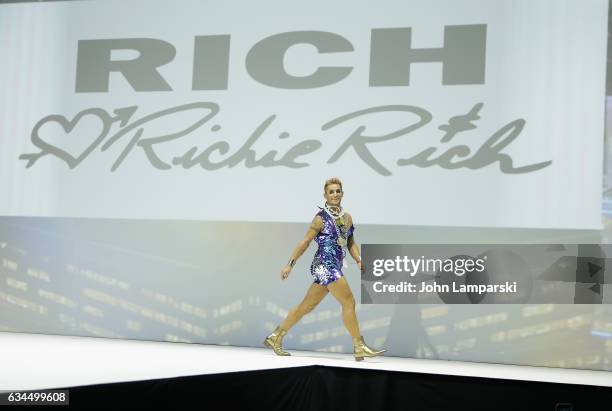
x: 333, y: 180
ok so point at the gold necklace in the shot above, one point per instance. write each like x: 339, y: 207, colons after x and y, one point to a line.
x: 334, y: 211
x: 337, y: 214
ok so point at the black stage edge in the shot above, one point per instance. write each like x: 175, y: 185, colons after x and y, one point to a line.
x: 323, y: 388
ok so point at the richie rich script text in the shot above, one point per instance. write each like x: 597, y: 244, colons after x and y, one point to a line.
x: 135, y: 134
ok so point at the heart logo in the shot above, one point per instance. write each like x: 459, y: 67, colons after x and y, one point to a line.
x: 68, y: 126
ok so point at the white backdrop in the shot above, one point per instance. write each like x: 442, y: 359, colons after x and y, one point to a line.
x: 544, y: 70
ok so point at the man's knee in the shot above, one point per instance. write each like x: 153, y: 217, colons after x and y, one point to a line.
x: 349, y: 302
x: 305, y: 308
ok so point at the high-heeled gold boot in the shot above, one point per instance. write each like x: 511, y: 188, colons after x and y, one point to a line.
x: 275, y: 341
x: 362, y: 350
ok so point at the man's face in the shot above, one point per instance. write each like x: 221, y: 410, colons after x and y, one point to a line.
x: 333, y: 194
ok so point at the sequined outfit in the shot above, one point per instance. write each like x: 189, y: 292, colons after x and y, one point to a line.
x: 326, y: 265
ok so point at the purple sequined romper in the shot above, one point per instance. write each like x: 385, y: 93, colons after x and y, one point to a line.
x: 326, y: 265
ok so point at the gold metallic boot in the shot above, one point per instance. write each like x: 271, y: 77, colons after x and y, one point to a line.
x: 362, y: 350
x: 275, y: 341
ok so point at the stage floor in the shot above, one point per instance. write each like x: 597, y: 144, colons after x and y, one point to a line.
x: 38, y: 361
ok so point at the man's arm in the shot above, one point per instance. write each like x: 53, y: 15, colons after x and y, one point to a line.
x: 313, y: 230
x: 352, y: 244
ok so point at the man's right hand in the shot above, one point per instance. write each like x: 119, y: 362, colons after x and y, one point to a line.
x: 285, y: 272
